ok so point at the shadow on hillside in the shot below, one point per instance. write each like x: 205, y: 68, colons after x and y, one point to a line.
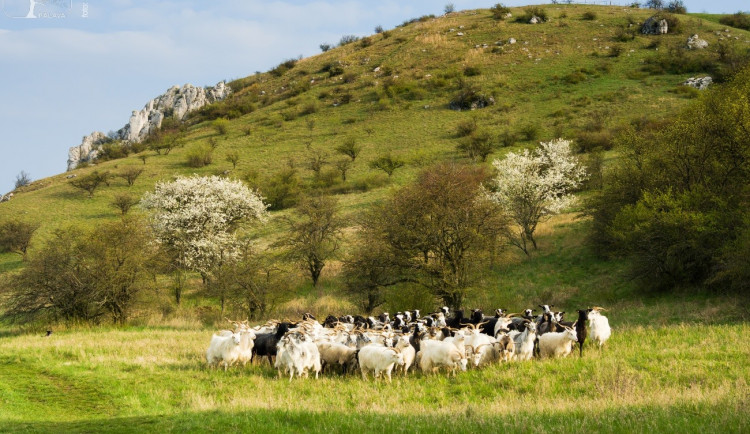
x: 624, y: 418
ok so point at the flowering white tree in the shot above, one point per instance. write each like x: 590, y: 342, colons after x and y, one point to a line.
x: 533, y: 185
x: 196, y: 217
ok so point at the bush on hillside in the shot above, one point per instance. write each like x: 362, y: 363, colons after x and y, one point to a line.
x: 199, y: 156
x: 499, y: 11
x: 348, y: 39
x: 589, y: 16
x: 531, y: 12
x: 676, y: 208
x: 739, y: 20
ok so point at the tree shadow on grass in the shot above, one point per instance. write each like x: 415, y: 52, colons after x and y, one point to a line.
x: 684, y: 417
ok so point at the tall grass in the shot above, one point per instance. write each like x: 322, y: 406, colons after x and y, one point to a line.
x: 683, y: 377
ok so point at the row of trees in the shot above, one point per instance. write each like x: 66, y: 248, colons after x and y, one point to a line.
x: 435, y: 233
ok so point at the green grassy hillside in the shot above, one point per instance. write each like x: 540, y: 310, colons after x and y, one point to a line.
x: 569, y: 77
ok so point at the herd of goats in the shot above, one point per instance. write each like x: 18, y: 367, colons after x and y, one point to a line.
x: 380, y: 345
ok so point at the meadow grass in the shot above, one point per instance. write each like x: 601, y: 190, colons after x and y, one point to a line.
x: 676, y: 362
x: 683, y: 377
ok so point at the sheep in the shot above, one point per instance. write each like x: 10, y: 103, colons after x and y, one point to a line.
x: 557, y: 344
x: 378, y: 360
x: 599, y: 325
x: 524, y: 341
x: 437, y: 354
x: 224, y: 350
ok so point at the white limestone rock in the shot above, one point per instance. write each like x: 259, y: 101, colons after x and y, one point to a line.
x: 700, y: 83
x: 696, y: 43
x: 176, y: 101
x: 655, y: 26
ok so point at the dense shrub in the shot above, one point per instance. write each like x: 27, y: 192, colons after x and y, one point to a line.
x: 113, y: 151
x: 469, y: 98
x: 348, y: 39
x: 529, y: 132
x: 675, y: 209
x: 589, y: 16
x: 199, y: 156
x: 508, y: 138
x: 587, y: 141
x: 676, y: 7
x: 499, y: 11
x: 530, y: 12
x: 466, y: 127
x: 739, y: 20
x: 472, y: 71
x: 332, y: 68
x: 283, y: 67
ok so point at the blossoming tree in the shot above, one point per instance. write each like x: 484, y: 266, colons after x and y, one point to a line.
x: 531, y: 186
x: 195, y: 219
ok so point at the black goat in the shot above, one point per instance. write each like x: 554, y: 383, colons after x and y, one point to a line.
x: 416, y: 338
x: 580, y: 325
x: 330, y: 321
x: 265, y: 343
x: 457, y: 320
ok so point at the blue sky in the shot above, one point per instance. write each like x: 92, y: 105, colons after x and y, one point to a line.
x: 64, y: 75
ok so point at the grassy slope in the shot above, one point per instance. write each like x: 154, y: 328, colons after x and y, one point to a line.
x: 525, y: 80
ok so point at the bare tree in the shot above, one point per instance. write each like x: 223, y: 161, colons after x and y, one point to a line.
x: 314, y: 235
x: 130, y: 174
x: 343, y: 167
x: 15, y: 236
x: 387, y: 164
x: 123, y: 202
x: 233, y: 157
x: 23, y: 179
x: 349, y: 148
x: 90, y: 182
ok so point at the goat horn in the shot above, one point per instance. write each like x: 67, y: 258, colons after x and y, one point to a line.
x: 482, y: 323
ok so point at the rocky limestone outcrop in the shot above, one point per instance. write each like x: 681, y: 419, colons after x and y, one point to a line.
x: 700, y: 83
x: 87, y: 150
x: 176, y: 101
x: 655, y: 26
x: 696, y: 43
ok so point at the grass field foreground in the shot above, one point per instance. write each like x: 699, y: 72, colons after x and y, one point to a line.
x: 678, y: 378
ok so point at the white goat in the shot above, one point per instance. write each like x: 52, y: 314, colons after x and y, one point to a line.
x: 378, y: 360
x: 599, y: 329
x: 333, y: 353
x: 524, y: 341
x: 557, y: 344
x: 309, y: 357
x: 434, y: 355
x: 505, y: 347
x: 407, y: 351
x: 224, y: 350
